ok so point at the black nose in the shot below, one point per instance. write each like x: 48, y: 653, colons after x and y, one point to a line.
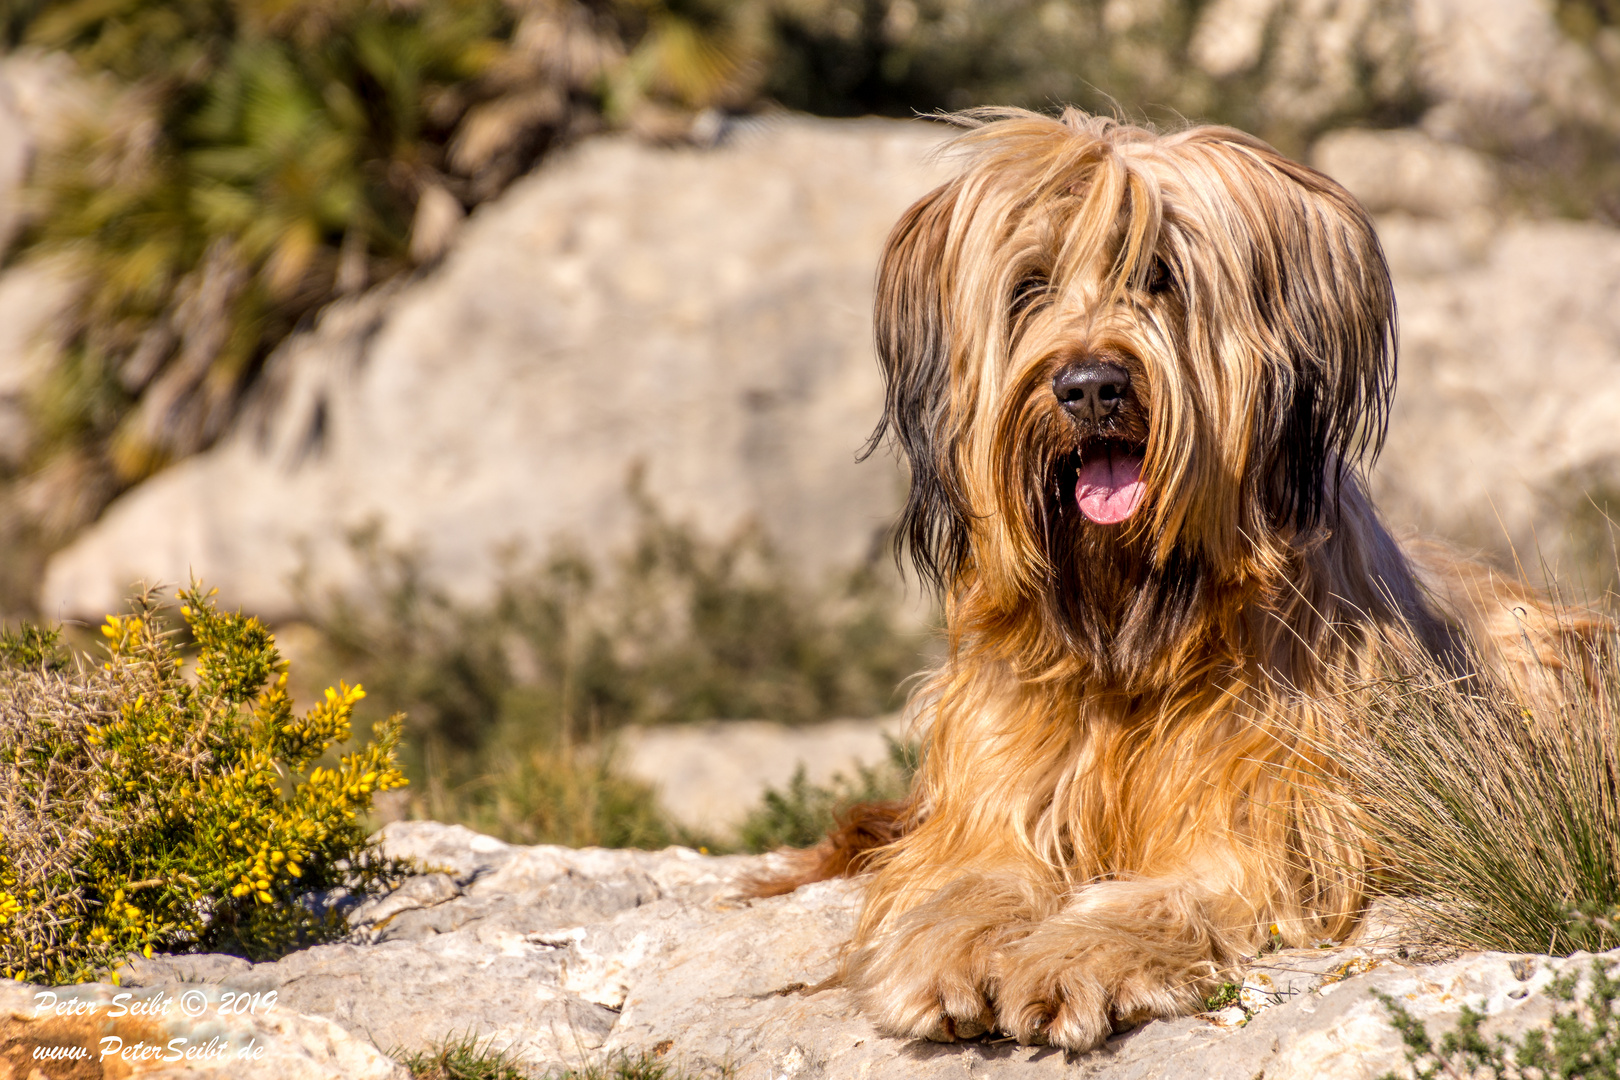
x: 1092, y: 390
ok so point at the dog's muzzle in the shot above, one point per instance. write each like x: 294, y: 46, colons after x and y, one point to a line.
x: 1108, y: 483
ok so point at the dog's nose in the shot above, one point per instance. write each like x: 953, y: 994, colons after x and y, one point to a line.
x: 1092, y: 390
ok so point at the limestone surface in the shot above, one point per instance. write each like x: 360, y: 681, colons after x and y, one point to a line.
x: 565, y: 957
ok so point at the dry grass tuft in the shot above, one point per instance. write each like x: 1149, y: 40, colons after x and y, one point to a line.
x: 1497, y: 810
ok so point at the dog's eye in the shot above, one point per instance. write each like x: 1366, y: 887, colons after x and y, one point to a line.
x: 1158, y: 277
x: 1027, y: 293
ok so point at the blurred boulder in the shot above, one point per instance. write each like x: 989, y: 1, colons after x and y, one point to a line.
x: 693, y: 323
x: 1506, y: 430
x: 30, y: 297
x: 1503, y: 69
x: 709, y: 776
x: 36, y: 92
x: 1505, y: 435
x: 1407, y: 171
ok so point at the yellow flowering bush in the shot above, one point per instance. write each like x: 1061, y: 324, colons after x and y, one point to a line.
x: 147, y: 807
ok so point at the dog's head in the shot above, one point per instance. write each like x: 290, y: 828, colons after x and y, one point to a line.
x: 1129, y: 372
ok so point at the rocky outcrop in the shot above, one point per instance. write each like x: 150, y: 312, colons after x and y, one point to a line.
x: 564, y: 957
x: 696, y: 319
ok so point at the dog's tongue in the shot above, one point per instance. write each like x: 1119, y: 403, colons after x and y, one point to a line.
x: 1109, y: 487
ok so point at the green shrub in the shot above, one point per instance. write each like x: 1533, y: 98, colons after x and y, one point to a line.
x: 1584, y: 1043
x: 800, y: 816
x: 145, y: 806
x: 461, y: 1058
x: 469, y: 1058
x: 505, y: 694
x: 572, y: 796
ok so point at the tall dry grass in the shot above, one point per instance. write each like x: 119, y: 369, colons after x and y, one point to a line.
x: 1495, y: 806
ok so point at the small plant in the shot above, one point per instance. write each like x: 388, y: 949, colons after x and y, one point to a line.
x: 634, y: 1067
x: 572, y: 796
x: 468, y: 1058
x: 803, y: 814
x: 144, y: 807
x: 1229, y: 993
x: 1584, y: 1042
x: 461, y: 1058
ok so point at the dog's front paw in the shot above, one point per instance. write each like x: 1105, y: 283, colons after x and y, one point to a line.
x: 1074, y: 994
x: 1061, y: 1004
x: 924, y: 985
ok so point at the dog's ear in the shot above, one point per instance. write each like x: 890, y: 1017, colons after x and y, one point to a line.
x: 912, y: 323
x: 1326, y: 294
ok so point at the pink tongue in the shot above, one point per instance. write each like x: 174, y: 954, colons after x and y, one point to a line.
x: 1110, y: 487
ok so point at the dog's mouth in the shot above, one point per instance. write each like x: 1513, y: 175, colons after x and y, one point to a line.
x: 1108, y: 481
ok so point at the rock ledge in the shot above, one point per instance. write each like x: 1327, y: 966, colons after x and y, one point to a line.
x: 566, y: 956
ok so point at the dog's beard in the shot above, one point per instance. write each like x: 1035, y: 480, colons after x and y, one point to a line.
x: 1112, y: 603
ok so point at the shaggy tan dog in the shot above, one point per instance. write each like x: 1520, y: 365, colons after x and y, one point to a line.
x: 1136, y: 378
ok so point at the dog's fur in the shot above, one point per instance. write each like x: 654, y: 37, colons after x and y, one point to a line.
x: 1124, y: 786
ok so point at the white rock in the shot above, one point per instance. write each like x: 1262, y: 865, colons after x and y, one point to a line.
x: 701, y: 315
x: 198, y: 1030
x: 709, y: 776
x: 1407, y: 171
x: 570, y: 970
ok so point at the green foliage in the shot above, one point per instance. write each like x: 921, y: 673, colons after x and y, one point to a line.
x: 802, y: 815
x: 31, y: 646
x: 850, y: 57
x: 632, y: 1067
x: 1584, y: 1043
x: 536, y: 795
x: 1229, y: 993
x: 1498, y: 811
x: 250, y: 160
x: 469, y: 1058
x: 678, y: 629
x: 461, y: 1058
x: 146, y: 807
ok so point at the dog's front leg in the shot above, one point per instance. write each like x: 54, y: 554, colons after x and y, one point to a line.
x: 930, y: 973
x: 1119, y: 953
